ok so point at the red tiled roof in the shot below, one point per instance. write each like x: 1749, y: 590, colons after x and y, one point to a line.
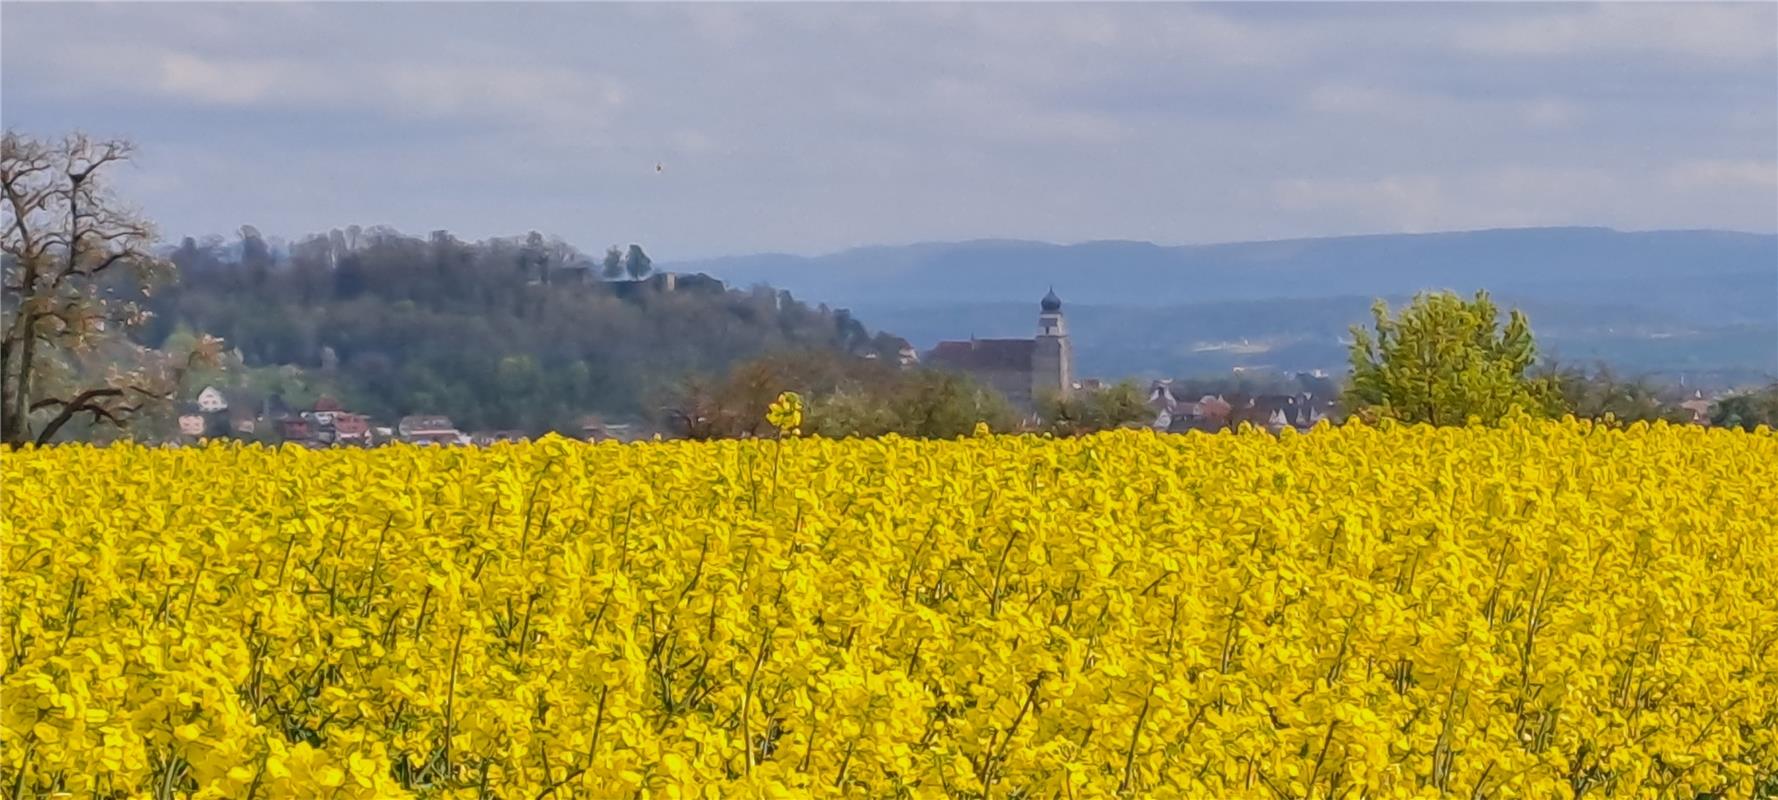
x: 984, y: 354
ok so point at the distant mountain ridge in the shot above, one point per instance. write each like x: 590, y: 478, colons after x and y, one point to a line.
x: 1112, y: 272
x: 1675, y: 302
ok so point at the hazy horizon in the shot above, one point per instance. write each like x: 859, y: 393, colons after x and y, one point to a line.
x: 811, y: 129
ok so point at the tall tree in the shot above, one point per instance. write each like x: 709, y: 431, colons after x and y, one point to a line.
x: 531, y: 261
x: 256, y: 255
x: 637, y: 263
x: 1747, y: 410
x: 1444, y: 359
x: 76, y: 264
x: 1603, y: 395
x: 1092, y: 410
x: 614, y: 263
x: 848, y: 396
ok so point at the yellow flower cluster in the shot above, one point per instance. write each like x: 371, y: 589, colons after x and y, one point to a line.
x: 1537, y: 610
x: 786, y: 413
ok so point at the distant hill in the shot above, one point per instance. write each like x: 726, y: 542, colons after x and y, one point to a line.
x: 1560, y: 260
x: 1664, y: 302
x: 513, y: 333
x: 1292, y: 334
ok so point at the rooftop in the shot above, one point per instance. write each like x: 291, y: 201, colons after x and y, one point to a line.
x: 984, y: 354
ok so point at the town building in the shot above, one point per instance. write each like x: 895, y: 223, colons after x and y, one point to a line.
x: 1023, y: 370
x: 293, y: 429
x: 192, y: 420
x: 905, y: 354
x: 1698, y: 407
x: 350, y: 428
x: 594, y: 428
x: 211, y: 400
x: 486, y: 438
x: 428, y: 429
x: 1273, y: 412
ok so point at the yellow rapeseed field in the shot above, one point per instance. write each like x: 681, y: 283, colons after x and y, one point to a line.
x: 1540, y: 610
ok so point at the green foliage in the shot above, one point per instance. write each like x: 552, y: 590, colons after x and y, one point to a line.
x: 1443, y: 360
x: 934, y: 404
x: 846, y: 395
x: 637, y: 263
x: 474, y: 331
x: 1603, y: 395
x: 614, y: 264
x: 1747, y: 410
x: 1090, y: 410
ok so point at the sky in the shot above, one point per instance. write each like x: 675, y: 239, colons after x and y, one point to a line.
x: 810, y: 128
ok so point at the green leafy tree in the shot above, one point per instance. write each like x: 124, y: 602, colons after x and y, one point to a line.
x: 845, y: 395
x: 1747, y: 410
x: 637, y: 263
x: 426, y: 325
x: 613, y: 267
x: 1444, y: 359
x: 1601, y: 394
x: 937, y: 404
x: 1092, y: 410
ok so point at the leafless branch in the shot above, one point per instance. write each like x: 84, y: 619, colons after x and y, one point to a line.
x: 85, y: 401
x: 61, y: 232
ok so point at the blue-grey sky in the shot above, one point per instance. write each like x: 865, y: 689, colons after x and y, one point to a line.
x: 807, y: 128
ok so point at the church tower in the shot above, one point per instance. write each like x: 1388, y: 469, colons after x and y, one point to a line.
x: 1052, y: 362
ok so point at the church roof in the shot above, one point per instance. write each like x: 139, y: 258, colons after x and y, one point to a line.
x: 984, y: 354
x: 1051, y: 302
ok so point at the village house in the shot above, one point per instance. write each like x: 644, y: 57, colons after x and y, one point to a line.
x: 1274, y: 412
x: 324, y: 425
x: 293, y: 429
x: 1172, y: 415
x: 211, y: 400
x: 325, y: 407
x: 192, y: 421
x: 1698, y: 407
x: 905, y: 354
x: 350, y: 428
x: 595, y: 429
x: 428, y: 429
x: 1021, y: 369
x: 485, y: 438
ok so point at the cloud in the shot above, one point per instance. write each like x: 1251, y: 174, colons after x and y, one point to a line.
x: 429, y: 89
x: 1705, y: 31
x: 1551, y: 112
x: 811, y: 127
x: 193, y: 77
x: 1409, y: 107
x: 1710, y: 174
x: 1397, y: 203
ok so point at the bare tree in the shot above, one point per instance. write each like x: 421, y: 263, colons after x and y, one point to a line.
x: 75, y: 264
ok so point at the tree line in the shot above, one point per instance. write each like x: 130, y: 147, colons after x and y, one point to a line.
x: 523, y: 333
x: 100, y: 330
x: 1447, y: 360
